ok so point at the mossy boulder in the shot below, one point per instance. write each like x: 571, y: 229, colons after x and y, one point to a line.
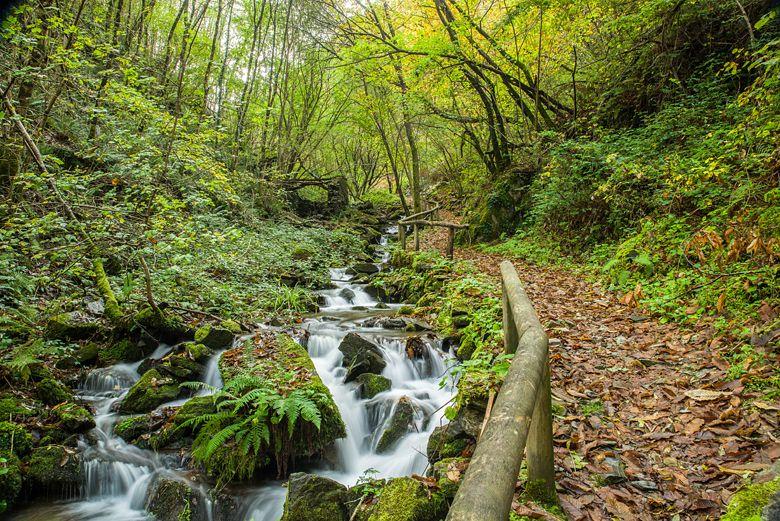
x: 372, y: 384
x: 406, y: 499
x: 315, y: 498
x: 197, y: 352
x: 215, y: 337
x: 13, y: 407
x: 10, y: 477
x: 400, y: 423
x: 180, y: 367
x: 279, y: 362
x: 88, y: 353
x: 132, y: 427
x: 154, y: 327
x: 756, y: 502
x: 232, y: 326
x: 364, y: 268
x: 360, y: 356
x: 15, y: 438
x: 124, y: 350
x: 52, y: 392
x: 448, y: 441
x: 176, y: 500
x: 73, y: 417
x: 55, y: 469
x: 151, y: 390
x: 173, y: 431
x: 72, y: 326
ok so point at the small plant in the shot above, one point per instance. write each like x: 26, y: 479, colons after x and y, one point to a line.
x: 592, y: 408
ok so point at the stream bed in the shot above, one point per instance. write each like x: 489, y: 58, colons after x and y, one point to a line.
x: 118, y: 476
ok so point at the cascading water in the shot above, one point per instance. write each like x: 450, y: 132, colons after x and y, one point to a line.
x: 117, y: 475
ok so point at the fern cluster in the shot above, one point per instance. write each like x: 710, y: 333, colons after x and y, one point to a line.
x: 251, y: 420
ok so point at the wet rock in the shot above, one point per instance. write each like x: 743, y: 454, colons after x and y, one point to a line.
x: 72, y: 326
x: 460, y: 321
x: 359, y: 308
x: 416, y: 348
x: 11, y: 479
x: 644, y: 485
x: 55, y: 469
x: 360, y: 356
x: 176, y: 500
x: 215, y: 337
x: 450, y: 342
x: 52, y: 392
x: 151, y: 390
x: 87, y: 354
x: 616, y: 473
x: 198, y: 352
x: 180, y: 367
x: 74, y: 418
x: 365, y: 268
x: 392, y: 323
x: 16, y: 436
x: 125, y: 350
x: 448, y: 441
x: 174, y: 432
x: 155, y: 327
x: 400, y: 423
x: 406, y: 499
x: 347, y: 294
x: 372, y: 384
x: 381, y: 305
x: 133, y: 427
x: 315, y: 498
x: 378, y: 292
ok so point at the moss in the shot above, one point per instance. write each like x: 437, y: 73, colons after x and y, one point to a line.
x: 52, y: 392
x: 372, y: 384
x: 443, y: 470
x: 88, y: 353
x: 123, y: 351
x: 173, y: 500
x: 54, y: 468
x: 151, y: 390
x: 314, y: 498
x: 132, y: 427
x: 197, y: 352
x: 14, y: 436
x: 73, y: 418
x: 12, y: 407
x: 538, y: 492
x: 71, y: 326
x: 232, y: 326
x: 10, y: 477
x: 214, y: 337
x: 285, y: 366
x: 401, y: 422
x: 747, y: 504
x: 164, y: 327
x: 406, y: 499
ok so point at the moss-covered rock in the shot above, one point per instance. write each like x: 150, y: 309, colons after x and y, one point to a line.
x: 15, y: 438
x: 232, y: 326
x: 124, y: 350
x: 749, y: 503
x: 132, y: 427
x: 175, y: 500
x: 55, y: 469
x: 214, y: 337
x: 315, y: 498
x: 10, y: 477
x: 73, y: 418
x: 280, y: 363
x: 372, y: 384
x: 151, y: 390
x: 174, y: 432
x: 180, y: 367
x: 360, y: 356
x: 195, y: 351
x: 400, y: 423
x: 72, y: 326
x: 447, y: 441
x: 406, y: 499
x: 88, y: 353
x: 13, y: 408
x: 160, y: 327
x: 52, y: 392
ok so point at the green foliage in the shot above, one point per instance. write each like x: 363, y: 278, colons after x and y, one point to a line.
x: 233, y: 440
x: 747, y: 504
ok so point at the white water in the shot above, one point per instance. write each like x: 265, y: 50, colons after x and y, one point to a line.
x: 118, y: 475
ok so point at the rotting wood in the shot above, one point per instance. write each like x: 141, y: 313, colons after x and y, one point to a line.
x: 520, y: 416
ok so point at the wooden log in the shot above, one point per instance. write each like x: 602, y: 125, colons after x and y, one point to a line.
x: 419, y: 214
x: 489, y: 484
x: 443, y: 224
x: 539, y: 452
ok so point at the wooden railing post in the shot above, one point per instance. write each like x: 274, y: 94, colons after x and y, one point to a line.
x: 539, y: 450
x: 402, y: 236
x: 450, y: 242
x: 416, y: 239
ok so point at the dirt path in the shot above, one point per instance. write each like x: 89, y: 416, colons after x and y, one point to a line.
x: 650, y: 398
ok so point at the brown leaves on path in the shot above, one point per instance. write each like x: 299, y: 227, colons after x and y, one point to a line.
x: 649, y: 425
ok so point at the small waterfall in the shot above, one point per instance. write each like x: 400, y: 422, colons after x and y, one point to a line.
x: 118, y: 476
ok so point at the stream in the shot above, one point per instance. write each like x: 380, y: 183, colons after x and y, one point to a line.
x: 118, y: 476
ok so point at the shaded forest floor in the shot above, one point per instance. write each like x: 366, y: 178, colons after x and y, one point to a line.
x: 647, y: 423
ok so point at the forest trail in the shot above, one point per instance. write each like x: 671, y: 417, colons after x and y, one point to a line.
x: 653, y: 428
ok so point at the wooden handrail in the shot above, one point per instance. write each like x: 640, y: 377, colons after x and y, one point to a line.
x: 521, y: 419
x: 416, y: 221
x: 419, y: 214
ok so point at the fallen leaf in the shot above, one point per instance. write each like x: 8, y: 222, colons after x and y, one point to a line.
x: 705, y: 395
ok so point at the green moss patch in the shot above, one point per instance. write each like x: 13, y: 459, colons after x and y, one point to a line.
x: 748, y: 503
